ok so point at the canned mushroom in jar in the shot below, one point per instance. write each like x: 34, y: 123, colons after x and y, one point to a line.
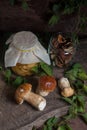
x: 24, y: 52
x: 24, y: 69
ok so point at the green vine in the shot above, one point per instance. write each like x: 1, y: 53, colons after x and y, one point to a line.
x: 24, y: 3
x: 60, y: 8
x: 65, y: 8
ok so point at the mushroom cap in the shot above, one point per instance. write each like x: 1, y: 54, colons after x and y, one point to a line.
x: 22, y: 92
x: 63, y: 83
x: 47, y: 83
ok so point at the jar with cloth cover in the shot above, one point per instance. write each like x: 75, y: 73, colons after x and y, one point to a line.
x: 24, y: 52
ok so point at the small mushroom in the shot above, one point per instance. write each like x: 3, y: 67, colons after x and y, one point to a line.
x: 46, y: 85
x: 23, y: 93
x: 66, y: 89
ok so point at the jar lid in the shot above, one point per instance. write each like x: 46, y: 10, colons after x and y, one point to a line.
x: 24, y: 40
x: 25, y: 48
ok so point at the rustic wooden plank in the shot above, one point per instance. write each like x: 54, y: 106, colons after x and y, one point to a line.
x: 23, y: 117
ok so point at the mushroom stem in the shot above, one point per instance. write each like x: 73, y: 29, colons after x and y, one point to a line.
x: 41, y: 92
x: 35, y: 100
x: 23, y: 93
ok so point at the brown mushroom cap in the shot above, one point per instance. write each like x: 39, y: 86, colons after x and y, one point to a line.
x: 22, y: 91
x: 47, y: 83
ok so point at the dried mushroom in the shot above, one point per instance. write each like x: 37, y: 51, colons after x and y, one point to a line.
x: 61, y: 50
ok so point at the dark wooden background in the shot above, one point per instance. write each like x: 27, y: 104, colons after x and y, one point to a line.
x: 14, y: 18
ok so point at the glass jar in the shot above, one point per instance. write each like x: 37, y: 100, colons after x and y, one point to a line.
x: 61, y: 49
x: 24, y: 52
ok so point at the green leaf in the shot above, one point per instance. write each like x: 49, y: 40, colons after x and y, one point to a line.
x: 74, y: 98
x: 80, y: 109
x: 51, y: 121
x: 72, y: 72
x: 68, y: 117
x: 85, y: 88
x: 68, y: 127
x: 84, y: 117
x: 8, y: 75
x: 49, y: 127
x: 54, y: 20
x: 35, y: 69
x: 54, y: 120
x: 75, y: 73
x: 45, y: 127
x: 79, y: 84
x: 68, y: 100
x: 80, y: 103
x: 64, y: 127
x: 82, y: 76
x: 43, y: 69
x: 25, y: 5
x: 19, y: 80
x: 73, y: 110
x: 71, y: 75
x: 46, y: 68
x: 77, y: 65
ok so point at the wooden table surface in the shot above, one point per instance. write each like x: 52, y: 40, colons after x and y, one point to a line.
x: 23, y: 117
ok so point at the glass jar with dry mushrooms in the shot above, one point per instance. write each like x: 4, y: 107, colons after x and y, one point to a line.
x: 61, y: 50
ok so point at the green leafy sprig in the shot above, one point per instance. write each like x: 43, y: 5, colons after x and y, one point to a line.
x: 24, y: 4
x: 8, y: 75
x: 11, y: 80
x: 43, y: 69
x: 77, y: 75
x: 76, y: 108
x: 50, y: 123
x: 76, y: 72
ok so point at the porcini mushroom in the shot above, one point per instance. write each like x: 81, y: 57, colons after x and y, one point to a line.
x: 66, y: 89
x: 46, y: 85
x: 23, y: 93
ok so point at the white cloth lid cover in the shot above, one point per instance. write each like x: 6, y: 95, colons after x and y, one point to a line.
x: 25, y: 48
